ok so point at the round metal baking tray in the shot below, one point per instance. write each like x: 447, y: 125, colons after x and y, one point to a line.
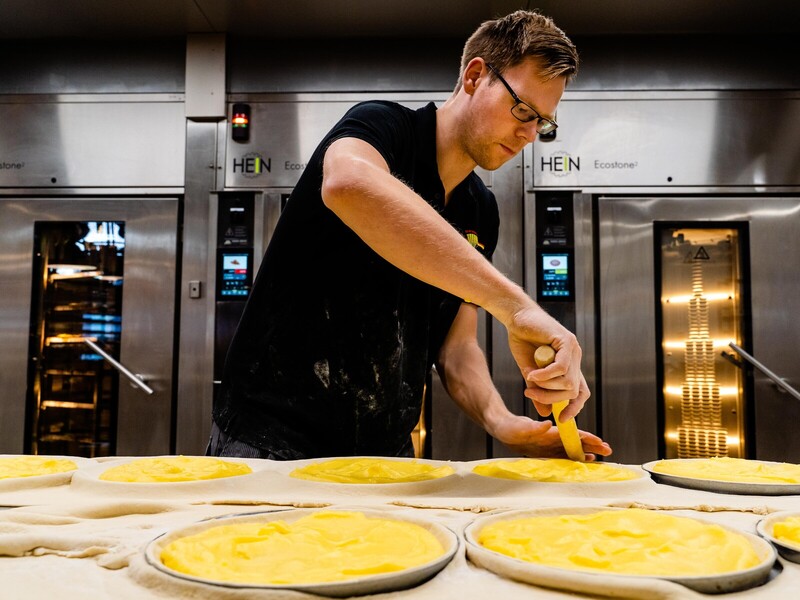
x: 720, y: 486
x: 787, y: 550
x: 371, y: 584
x: 46, y: 480
x: 589, y: 582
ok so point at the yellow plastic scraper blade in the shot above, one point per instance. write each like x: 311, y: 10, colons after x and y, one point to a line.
x: 567, y: 431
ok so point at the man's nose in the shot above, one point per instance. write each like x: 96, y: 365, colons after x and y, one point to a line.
x: 528, y: 131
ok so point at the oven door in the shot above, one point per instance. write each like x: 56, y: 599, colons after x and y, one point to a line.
x: 87, y: 310
x: 681, y: 278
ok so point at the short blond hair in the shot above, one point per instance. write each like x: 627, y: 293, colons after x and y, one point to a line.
x: 506, y: 42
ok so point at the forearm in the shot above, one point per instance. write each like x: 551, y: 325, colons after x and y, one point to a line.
x: 406, y: 231
x: 465, y: 375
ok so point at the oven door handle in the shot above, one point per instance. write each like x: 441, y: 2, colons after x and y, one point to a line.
x: 773, y: 376
x: 135, y: 378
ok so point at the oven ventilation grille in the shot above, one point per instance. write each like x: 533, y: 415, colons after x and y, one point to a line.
x: 701, y: 434
x: 694, y: 442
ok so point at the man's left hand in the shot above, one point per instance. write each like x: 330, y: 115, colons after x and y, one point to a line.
x: 540, y: 439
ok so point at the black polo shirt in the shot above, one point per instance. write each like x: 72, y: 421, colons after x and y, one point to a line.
x: 332, y: 351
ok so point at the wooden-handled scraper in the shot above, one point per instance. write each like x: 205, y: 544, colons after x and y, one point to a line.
x: 567, y: 431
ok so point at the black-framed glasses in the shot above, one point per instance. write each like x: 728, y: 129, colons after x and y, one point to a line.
x: 525, y: 112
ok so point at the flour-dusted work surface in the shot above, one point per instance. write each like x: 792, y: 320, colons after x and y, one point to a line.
x: 85, y: 541
x: 99, y: 552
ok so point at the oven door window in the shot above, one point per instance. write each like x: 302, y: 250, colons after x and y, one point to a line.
x: 77, y: 296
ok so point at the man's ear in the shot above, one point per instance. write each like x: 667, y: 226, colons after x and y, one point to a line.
x: 475, y: 71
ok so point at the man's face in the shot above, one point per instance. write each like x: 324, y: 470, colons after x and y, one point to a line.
x: 493, y: 134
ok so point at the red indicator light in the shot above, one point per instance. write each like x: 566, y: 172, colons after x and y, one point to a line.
x: 240, y: 122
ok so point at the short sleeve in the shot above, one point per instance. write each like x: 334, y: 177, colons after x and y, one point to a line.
x: 385, y: 126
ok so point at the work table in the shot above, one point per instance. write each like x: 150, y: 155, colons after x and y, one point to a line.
x: 85, y: 538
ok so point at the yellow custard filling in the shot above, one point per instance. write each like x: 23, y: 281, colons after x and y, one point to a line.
x: 321, y: 547
x: 554, y: 470
x: 174, y: 468
x: 787, y: 531
x: 371, y: 470
x: 32, y: 466
x: 630, y: 542
x: 738, y: 470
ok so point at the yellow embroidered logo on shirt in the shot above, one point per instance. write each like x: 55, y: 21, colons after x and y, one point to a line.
x: 472, y: 238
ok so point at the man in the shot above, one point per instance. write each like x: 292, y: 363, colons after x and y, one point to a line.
x: 370, y: 278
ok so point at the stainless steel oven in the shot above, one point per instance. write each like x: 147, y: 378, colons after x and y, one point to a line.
x: 684, y: 235
x: 680, y: 279
x: 90, y: 209
x: 87, y: 312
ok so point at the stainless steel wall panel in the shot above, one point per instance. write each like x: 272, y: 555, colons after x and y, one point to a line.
x: 63, y: 141
x: 673, y: 140
x: 628, y: 344
x: 16, y: 263
x: 196, y: 338
x: 144, y: 423
x: 205, y: 76
x: 585, y: 309
x: 100, y: 66
x: 775, y: 295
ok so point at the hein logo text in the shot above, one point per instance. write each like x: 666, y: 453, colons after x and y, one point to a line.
x: 252, y: 165
x: 560, y: 164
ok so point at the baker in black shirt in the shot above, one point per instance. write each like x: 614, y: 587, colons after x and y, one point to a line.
x: 379, y: 262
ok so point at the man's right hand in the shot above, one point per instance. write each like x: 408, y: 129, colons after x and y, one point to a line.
x: 562, y: 380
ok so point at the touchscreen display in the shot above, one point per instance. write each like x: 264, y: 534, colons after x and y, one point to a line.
x: 235, y: 280
x: 555, y: 275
